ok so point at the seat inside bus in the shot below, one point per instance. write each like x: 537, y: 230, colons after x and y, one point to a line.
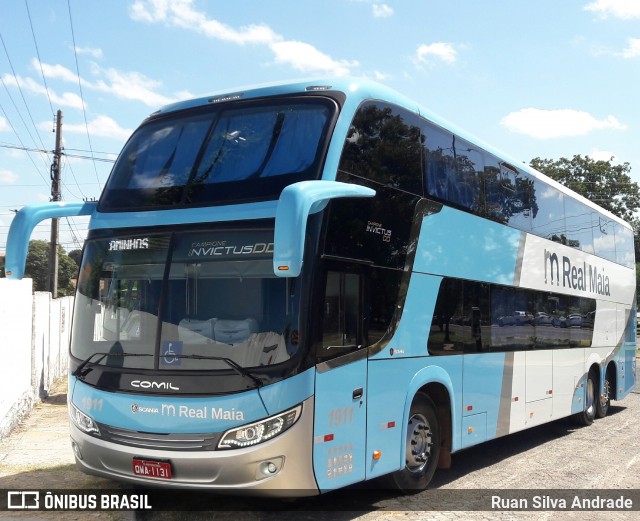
x: 238, y: 340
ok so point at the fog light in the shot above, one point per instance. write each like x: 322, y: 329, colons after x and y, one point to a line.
x: 270, y: 468
x: 76, y: 450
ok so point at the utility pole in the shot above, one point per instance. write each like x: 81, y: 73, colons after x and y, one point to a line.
x: 56, y: 195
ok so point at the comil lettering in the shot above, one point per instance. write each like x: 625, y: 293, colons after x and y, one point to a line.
x: 146, y: 384
x: 581, y: 276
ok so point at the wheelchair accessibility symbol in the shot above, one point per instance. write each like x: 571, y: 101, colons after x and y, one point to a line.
x: 171, y: 353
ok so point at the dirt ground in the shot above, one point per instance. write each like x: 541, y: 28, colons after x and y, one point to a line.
x: 603, y: 456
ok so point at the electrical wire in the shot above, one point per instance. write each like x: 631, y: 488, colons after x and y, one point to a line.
x: 15, y: 77
x: 84, y: 112
x: 23, y: 147
x: 35, y: 42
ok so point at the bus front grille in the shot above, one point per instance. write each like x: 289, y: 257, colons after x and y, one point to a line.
x: 153, y: 440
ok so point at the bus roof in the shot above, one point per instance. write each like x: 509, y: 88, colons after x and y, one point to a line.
x: 358, y: 90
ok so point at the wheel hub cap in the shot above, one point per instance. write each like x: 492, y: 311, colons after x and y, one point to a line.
x: 419, y: 443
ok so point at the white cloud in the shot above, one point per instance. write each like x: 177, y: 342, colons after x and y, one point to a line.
x: 633, y: 48
x: 7, y: 177
x: 382, y: 11
x: 91, y: 51
x: 548, y: 124
x: 102, y: 126
x: 181, y: 13
x: 301, y: 56
x: 439, y: 50
x: 625, y: 9
x: 306, y: 58
x: 4, y: 126
x: 57, y: 72
x: 602, y: 155
x: 68, y: 99
x: 130, y: 85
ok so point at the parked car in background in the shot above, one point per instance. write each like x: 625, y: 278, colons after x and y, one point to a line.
x: 559, y: 321
x: 519, y: 318
x: 542, y: 319
x: 574, y: 320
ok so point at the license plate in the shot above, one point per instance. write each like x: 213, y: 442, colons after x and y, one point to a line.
x: 152, y: 469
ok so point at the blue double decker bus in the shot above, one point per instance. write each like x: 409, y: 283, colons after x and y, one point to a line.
x: 289, y: 289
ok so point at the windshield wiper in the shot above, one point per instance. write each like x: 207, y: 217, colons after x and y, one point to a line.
x: 237, y: 368
x: 80, y: 374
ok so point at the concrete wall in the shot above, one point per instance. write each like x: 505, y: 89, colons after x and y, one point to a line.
x: 34, y: 342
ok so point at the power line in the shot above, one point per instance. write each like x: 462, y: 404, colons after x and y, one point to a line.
x: 15, y: 76
x: 25, y: 148
x: 24, y: 123
x: 90, y: 158
x: 76, y: 156
x: 75, y: 180
x: 92, y: 151
x: 35, y: 42
x: 84, y: 112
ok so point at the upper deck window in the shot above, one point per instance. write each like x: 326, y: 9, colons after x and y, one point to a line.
x: 384, y: 145
x: 245, y: 152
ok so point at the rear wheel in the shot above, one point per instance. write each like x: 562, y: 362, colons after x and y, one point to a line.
x: 604, y: 400
x: 423, y: 447
x: 589, y: 412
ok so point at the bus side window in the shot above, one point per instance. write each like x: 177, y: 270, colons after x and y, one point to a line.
x: 384, y: 145
x: 341, y: 311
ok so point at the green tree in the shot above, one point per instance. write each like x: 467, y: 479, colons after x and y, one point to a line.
x: 76, y: 255
x: 37, y: 268
x: 602, y: 182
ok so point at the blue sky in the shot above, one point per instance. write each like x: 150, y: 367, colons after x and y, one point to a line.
x: 542, y: 78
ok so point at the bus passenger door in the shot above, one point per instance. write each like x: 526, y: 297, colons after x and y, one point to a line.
x: 341, y: 375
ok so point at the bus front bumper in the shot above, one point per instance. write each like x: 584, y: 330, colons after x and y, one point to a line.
x: 281, y: 467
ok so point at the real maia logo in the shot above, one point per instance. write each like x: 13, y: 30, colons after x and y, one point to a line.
x: 581, y: 277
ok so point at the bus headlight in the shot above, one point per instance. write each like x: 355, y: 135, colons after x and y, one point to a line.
x: 84, y: 422
x: 257, y: 432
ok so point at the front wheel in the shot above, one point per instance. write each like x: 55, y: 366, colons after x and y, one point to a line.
x: 423, y: 447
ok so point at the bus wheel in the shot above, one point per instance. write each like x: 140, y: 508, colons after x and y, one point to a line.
x: 589, y: 413
x: 423, y: 447
x: 604, y: 400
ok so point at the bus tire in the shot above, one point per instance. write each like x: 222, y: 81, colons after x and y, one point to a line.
x: 423, y: 447
x: 588, y: 414
x: 604, y: 399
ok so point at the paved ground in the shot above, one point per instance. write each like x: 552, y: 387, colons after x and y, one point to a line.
x: 605, y: 455
x: 38, y: 455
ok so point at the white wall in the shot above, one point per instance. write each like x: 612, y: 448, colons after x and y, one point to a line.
x: 34, y: 341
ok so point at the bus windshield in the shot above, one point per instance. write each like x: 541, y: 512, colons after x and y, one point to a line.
x: 197, y: 301
x: 220, y: 156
